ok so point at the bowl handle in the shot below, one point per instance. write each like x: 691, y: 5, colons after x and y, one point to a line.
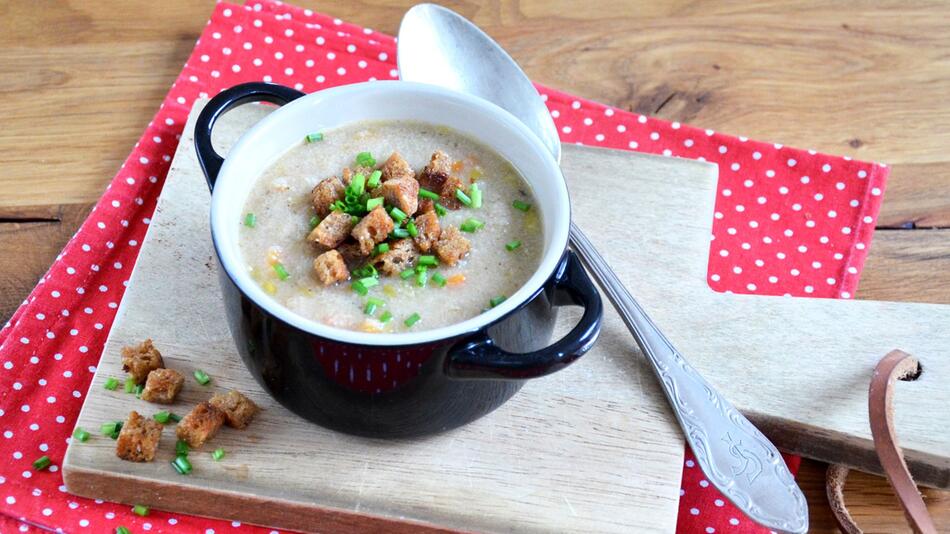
x: 225, y: 100
x: 479, y: 357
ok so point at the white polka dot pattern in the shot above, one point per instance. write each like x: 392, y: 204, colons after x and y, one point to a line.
x: 786, y: 222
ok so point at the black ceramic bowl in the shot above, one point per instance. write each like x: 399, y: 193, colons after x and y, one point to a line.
x: 406, y: 384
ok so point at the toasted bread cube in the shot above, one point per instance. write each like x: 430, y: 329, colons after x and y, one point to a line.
x: 325, y: 194
x: 429, y: 231
x: 425, y: 205
x: 238, y: 409
x: 332, y: 230
x: 349, y: 173
x: 396, y: 168
x: 452, y: 246
x: 140, y: 360
x: 330, y: 267
x: 138, y: 439
x: 434, y: 174
x: 400, y: 256
x: 402, y: 193
x: 372, y: 229
x: 200, y: 425
x: 447, y: 196
x: 351, y: 252
x: 162, y: 386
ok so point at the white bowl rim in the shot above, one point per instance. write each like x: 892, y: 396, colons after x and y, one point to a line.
x: 555, y: 244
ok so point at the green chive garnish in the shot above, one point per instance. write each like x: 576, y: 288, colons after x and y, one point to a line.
x: 405, y: 275
x: 411, y: 228
x: 129, y: 385
x: 354, y: 219
x: 111, y: 384
x: 182, y: 465
x: 202, y: 377
x: 42, y: 463
x: 428, y: 261
x: 386, y: 317
x: 359, y: 288
x: 139, y: 388
x: 421, y: 268
x: 399, y: 233
x: 111, y: 429
x: 281, y: 271
x: 425, y: 193
x: 122, y: 530
x: 181, y: 448
x: 373, y: 181
x: 162, y: 417
x: 440, y: 210
x: 497, y: 300
x: 217, y: 454
x: 250, y: 220
x: 314, y: 137
x: 476, y: 195
x: 357, y: 185
x: 314, y: 222
x: 380, y: 248
x: 374, y: 203
x: 174, y: 417
x: 81, y: 435
x: 471, y: 225
x: 365, y: 271
x: 365, y: 159
x: 411, y: 320
x: 463, y: 198
x: 439, y: 279
x: 397, y: 214
x: 520, y: 205
x: 369, y: 281
x: 140, y: 510
x: 421, y: 278
x: 511, y: 245
x: 372, y: 304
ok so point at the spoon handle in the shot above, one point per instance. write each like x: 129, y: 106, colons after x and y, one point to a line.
x: 740, y: 461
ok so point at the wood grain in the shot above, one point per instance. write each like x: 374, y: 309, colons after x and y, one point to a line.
x: 866, y: 80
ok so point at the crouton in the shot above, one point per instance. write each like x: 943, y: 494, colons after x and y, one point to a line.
x: 162, y: 386
x: 330, y: 267
x: 332, y: 230
x: 140, y: 360
x: 238, y: 409
x: 326, y: 193
x: 403, y: 194
x: 138, y: 439
x: 200, y: 425
x: 396, y: 168
x: 351, y: 252
x: 398, y: 258
x: 452, y: 246
x: 349, y: 173
x: 428, y: 229
x: 425, y: 205
x: 447, y: 196
x: 372, y: 229
x: 434, y: 174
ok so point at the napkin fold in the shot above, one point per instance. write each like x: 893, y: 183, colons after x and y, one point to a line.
x: 787, y: 221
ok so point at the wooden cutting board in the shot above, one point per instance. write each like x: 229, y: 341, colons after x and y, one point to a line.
x: 591, y: 448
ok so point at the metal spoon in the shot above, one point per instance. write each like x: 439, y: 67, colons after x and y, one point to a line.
x: 440, y: 47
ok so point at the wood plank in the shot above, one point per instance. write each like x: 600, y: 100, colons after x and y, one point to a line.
x: 916, y: 197
x: 908, y: 265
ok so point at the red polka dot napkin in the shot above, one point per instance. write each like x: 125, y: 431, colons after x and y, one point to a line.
x: 787, y: 221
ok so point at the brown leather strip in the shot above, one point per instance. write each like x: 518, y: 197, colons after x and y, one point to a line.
x: 834, y: 485
x: 896, y: 365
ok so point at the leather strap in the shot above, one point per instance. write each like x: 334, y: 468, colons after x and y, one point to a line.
x: 897, y: 365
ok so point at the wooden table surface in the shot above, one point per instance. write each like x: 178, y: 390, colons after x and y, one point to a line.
x: 80, y: 81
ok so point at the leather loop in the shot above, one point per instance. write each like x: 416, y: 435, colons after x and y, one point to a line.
x: 896, y: 365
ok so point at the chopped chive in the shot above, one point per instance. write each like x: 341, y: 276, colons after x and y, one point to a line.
x: 365, y: 271
x: 380, y: 248
x: 140, y: 510
x: 354, y: 219
x: 217, y: 454
x: 162, y: 417
x: 181, y: 448
x: 411, y: 228
x: 42, y: 463
x: 439, y: 279
x: 373, y: 181
x: 359, y: 288
x: 373, y: 203
x: 425, y: 193
x: 111, y: 429
x: 372, y: 304
x: 412, y: 319
x: 174, y: 417
x: 463, y: 198
x: 428, y: 260
x: 81, y: 435
x: 376, y: 301
x: 476, y: 195
x: 386, y: 317
x: 365, y: 159
x: 497, y: 300
x: 250, y: 220
x: 421, y: 268
x: 521, y: 205
x: 122, y: 530
x: 397, y: 214
x: 139, y: 388
x: 202, y: 377
x: 281, y: 271
x: 111, y: 384
x: 369, y: 281
x: 421, y: 278
x: 405, y: 275
x: 471, y: 225
x: 314, y: 222
x: 512, y: 245
x: 399, y: 233
x: 182, y: 465
x: 129, y: 385
x: 357, y: 186
x: 440, y: 210
x: 314, y: 137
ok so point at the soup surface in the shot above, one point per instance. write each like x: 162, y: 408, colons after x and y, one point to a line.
x: 468, y: 234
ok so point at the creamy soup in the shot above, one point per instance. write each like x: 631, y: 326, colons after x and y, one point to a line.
x: 390, y: 227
